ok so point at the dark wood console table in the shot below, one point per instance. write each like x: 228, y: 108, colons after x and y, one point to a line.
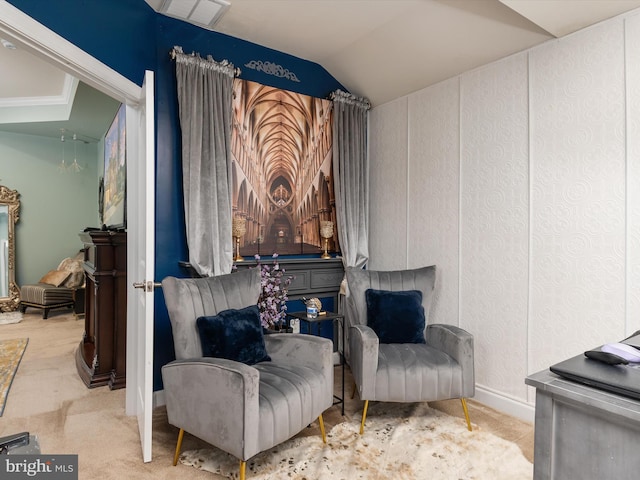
x: 101, y: 355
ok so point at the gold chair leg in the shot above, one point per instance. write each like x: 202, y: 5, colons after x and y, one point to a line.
x: 243, y: 469
x: 364, y: 416
x: 178, y: 447
x: 321, y: 422
x: 466, y: 413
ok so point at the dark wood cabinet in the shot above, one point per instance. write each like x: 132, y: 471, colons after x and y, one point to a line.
x: 101, y: 356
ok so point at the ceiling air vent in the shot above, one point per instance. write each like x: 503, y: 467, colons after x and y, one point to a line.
x: 204, y: 13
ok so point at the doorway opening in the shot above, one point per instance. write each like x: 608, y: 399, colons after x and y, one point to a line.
x: 26, y: 33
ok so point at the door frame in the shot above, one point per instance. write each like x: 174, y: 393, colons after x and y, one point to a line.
x: 38, y: 40
x: 32, y: 36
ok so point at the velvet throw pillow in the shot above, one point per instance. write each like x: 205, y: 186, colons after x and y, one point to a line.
x: 234, y: 335
x: 396, y: 317
x: 55, y: 277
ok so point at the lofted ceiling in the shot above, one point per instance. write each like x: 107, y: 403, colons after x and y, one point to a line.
x: 379, y: 49
x: 385, y: 49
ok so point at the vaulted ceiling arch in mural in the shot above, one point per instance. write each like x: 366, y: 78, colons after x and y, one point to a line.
x: 282, y: 155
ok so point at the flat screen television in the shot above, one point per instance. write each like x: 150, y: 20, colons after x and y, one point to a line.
x: 113, y: 189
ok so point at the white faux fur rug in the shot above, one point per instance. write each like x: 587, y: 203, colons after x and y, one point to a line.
x: 10, y: 317
x: 408, y: 441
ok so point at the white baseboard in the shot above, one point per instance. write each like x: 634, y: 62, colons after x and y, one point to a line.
x: 158, y: 399
x: 511, y: 406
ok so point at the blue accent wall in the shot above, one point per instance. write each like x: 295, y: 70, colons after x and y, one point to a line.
x: 119, y: 33
x: 130, y: 37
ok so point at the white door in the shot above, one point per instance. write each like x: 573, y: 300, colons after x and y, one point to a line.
x: 17, y: 26
x: 140, y: 261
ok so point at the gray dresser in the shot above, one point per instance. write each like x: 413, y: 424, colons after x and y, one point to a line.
x: 583, y: 433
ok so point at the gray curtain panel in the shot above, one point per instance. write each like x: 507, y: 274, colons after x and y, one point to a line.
x: 351, y: 173
x: 205, y: 89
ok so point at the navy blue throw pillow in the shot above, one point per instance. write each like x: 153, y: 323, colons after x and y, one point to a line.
x: 396, y: 317
x: 234, y: 335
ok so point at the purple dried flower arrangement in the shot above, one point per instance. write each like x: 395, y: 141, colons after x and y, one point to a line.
x: 272, y: 302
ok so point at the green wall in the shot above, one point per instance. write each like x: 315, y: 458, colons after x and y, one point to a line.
x: 54, y: 206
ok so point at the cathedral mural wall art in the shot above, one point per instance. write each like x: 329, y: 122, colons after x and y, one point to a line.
x: 282, y: 172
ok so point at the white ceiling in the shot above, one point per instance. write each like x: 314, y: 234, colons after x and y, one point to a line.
x: 384, y: 49
x: 379, y: 49
x: 39, y: 99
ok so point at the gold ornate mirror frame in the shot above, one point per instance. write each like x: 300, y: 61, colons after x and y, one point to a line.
x: 9, y: 198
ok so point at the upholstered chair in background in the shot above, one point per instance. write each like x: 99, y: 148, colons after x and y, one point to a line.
x: 274, y: 387
x: 60, y: 288
x: 394, y: 354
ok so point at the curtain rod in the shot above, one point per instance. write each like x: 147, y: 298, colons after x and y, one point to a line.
x: 177, y: 50
x: 349, y: 98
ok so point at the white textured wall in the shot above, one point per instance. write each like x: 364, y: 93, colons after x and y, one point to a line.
x: 388, y: 186
x: 495, y: 220
x: 632, y: 138
x: 521, y: 181
x: 577, y: 164
x: 433, y: 196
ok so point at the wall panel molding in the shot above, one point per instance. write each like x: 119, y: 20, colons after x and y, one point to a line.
x: 632, y: 92
x: 578, y: 182
x: 524, y: 188
x: 495, y: 220
x: 388, y: 167
x: 433, y: 189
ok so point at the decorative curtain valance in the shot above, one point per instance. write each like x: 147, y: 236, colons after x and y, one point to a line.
x: 350, y: 99
x: 351, y: 174
x: 205, y: 90
x: 224, y: 66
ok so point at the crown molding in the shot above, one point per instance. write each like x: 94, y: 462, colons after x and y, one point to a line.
x: 34, y: 37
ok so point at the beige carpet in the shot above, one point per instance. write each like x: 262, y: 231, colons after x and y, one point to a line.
x: 11, y: 352
x: 49, y: 399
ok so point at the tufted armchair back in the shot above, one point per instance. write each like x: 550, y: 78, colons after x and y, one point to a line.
x: 188, y: 299
x: 358, y: 281
x: 439, y: 368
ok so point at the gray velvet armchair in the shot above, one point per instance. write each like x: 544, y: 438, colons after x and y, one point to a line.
x: 440, y: 369
x: 241, y: 409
